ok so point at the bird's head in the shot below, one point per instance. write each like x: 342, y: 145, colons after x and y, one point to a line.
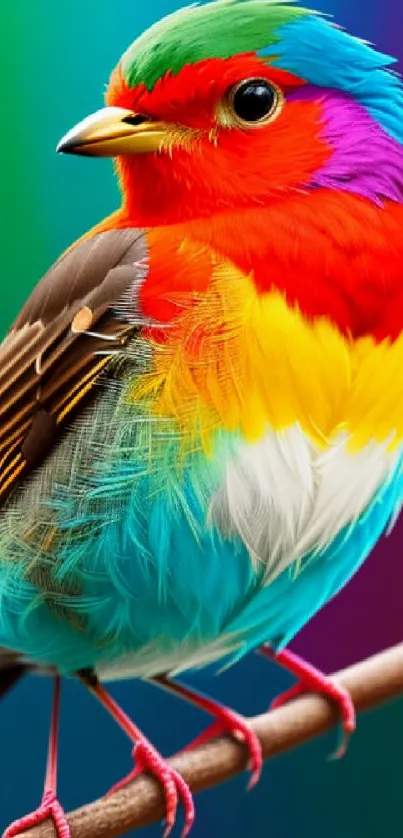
x: 234, y: 103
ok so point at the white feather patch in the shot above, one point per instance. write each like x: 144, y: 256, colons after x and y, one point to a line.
x: 154, y: 659
x: 285, y: 497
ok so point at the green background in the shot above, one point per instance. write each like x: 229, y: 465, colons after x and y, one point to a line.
x: 55, y: 59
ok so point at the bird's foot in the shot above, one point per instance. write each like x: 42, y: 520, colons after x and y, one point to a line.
x: 335, y: 693
x: 313, y: 680
x: 149, y: 761
x: 226, y: 721
x: 229, y: 722
x: 50, y: 809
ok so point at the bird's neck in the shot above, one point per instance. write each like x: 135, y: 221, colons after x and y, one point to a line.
x: 332, y: 254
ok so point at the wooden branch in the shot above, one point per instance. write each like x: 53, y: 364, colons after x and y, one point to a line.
x: 370, y: 683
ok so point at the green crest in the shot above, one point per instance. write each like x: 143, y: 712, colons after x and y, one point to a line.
x: 214, y: 30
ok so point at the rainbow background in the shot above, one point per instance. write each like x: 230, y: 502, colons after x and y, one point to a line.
x: 54, y: 63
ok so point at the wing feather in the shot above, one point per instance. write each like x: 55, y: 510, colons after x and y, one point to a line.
x: 65, y: 336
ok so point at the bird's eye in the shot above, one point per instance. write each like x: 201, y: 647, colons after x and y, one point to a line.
x: 252, y: 102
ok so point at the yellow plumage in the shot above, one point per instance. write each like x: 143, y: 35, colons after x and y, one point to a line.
x: 240, y: 360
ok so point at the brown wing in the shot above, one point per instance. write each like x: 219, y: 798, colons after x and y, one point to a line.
x: 68, y: 331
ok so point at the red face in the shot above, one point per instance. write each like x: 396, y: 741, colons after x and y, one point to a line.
x: 223, y: 151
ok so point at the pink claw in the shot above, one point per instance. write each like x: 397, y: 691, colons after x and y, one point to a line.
x: 312, y: 680
x: 174, y: 787
x: 50, y: 808
x: 235, y: 725
x: 288, y: 695
x: 336, y: 694
x: 226, y: 721
x: 150, y: 761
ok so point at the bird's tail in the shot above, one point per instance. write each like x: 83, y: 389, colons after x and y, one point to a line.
x: 11, y: 670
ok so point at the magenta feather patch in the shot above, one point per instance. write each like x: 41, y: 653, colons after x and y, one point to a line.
x: 366, y: 160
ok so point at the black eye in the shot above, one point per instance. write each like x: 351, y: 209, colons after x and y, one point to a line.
x: 255, y: 101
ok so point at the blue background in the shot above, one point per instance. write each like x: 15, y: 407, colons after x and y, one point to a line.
x: 55, y: 59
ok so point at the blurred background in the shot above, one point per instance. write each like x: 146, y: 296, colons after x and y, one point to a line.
x: 55, y: 59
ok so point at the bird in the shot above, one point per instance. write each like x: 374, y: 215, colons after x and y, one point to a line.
x: 201, y: 426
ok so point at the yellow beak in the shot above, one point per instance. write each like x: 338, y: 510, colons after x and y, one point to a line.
x: 111, y: 132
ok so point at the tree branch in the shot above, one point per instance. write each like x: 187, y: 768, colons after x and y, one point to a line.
x: 370, y: 683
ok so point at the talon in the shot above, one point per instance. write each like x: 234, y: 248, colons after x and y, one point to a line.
x: 288, y: 695
x: 341, y: 751
x: 226, y: 722
x: 234, y: 725
x: 312, y: 680
x: 334, y: 693
x: 238, y: 726
x: 148, y: 760
x: 175, y: 789
x: 125, y: 781
x: 50, y: 809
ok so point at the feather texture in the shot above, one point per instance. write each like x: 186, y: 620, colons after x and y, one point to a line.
x: 204, y: 31
x: 160, y: 491
x: 55, y: 350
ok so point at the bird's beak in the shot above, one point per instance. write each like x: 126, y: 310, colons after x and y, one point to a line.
x: 111, y: 132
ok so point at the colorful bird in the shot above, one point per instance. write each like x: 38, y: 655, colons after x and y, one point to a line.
x: 201, y: 423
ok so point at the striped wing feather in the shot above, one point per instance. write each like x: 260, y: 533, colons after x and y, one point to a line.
x: 64, y: 337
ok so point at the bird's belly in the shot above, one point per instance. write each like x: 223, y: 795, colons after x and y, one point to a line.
x: 151, y: 660
x: 315, y: 418
x: 163, y: 542
x: 185, y: 585
x: 285, y: 497
x: 225, y: 598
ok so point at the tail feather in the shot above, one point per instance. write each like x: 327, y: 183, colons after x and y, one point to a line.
x: 11, y: 670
